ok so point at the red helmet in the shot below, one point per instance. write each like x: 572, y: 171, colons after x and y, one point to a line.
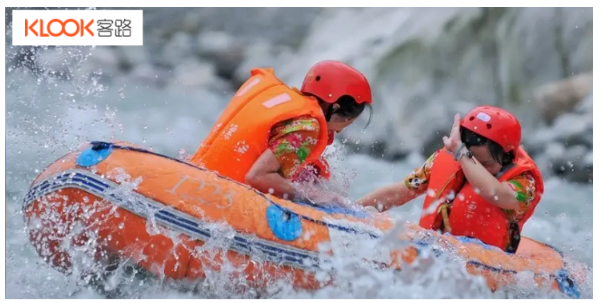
x: 495, y: 124
x: 329, y: 80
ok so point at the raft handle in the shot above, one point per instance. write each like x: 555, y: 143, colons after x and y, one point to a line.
x: 95, y: 154
x: 567, y: 285
x: 293, y: 216
x: 284, y: 224
x: 98, y: 145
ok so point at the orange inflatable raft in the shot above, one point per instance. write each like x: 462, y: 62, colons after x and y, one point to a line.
x: 158, y: 212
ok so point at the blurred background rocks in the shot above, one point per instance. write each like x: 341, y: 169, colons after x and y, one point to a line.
x: 425, y: 65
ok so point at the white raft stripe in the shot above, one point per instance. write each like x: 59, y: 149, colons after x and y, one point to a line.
x: 191, y: 226
x: 169, y: 217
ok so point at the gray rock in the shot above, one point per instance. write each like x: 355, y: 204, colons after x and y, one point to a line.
x: 192, y: 22
x: 261, y: 55
x: 544, y: 164
x: 178, y: 50
x: 555, y: 153
x: 533, y: 48
x: 571, y: 129
x: 195, y: 74
x: 434, y: 127
x: 427, y: 58
x: 280, y: 25
x: 587, y: 164
x: 223, y: 50
x: 584, y: 138
x: 421, y: 67
x: 212, y: 42
x: 537, y: 142
x: 528, y: 56
x: 576, y: 47
x: 575, y: 153
x: 554, y: 99
x: 577, y: 165
x: 132, y: 56
x: 586, y: 105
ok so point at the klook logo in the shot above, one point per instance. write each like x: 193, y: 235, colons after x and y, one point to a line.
x: 77, y: 27
x: 80, y: 28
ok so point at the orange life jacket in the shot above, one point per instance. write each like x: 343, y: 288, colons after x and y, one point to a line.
x: 453, y: 205
x: 242, y: 132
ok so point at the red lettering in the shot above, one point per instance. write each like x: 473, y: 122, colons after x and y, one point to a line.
x: 30, y: 27
x: 61, y: 29
x: 64, y: 28
x: 81, y: 28
x: 42, y: 28
x: 87, y: 27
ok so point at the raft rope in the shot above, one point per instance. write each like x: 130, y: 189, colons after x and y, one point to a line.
x: 100, y: 145
x: 565, y: 283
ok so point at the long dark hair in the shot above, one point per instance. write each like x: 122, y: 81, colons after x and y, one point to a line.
x: 470, y: 138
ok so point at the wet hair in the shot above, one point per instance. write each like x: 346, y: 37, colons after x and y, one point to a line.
x: 348, y: 108
x: 470, y: 138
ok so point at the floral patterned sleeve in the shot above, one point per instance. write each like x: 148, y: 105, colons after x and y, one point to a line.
x: 292, y: 141
x: 418, y: 179
x: 524, y: 190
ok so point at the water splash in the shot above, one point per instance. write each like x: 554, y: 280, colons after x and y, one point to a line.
x: 54, y: 105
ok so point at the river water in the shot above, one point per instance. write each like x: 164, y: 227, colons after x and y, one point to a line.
x: 46, y: 118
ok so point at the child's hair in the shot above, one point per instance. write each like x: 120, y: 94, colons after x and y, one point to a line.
x: 348, y: 108
x: 470, y: 138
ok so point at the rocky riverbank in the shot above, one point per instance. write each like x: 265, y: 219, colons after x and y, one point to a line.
x: 563, y: 142
x: 425, y: 65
